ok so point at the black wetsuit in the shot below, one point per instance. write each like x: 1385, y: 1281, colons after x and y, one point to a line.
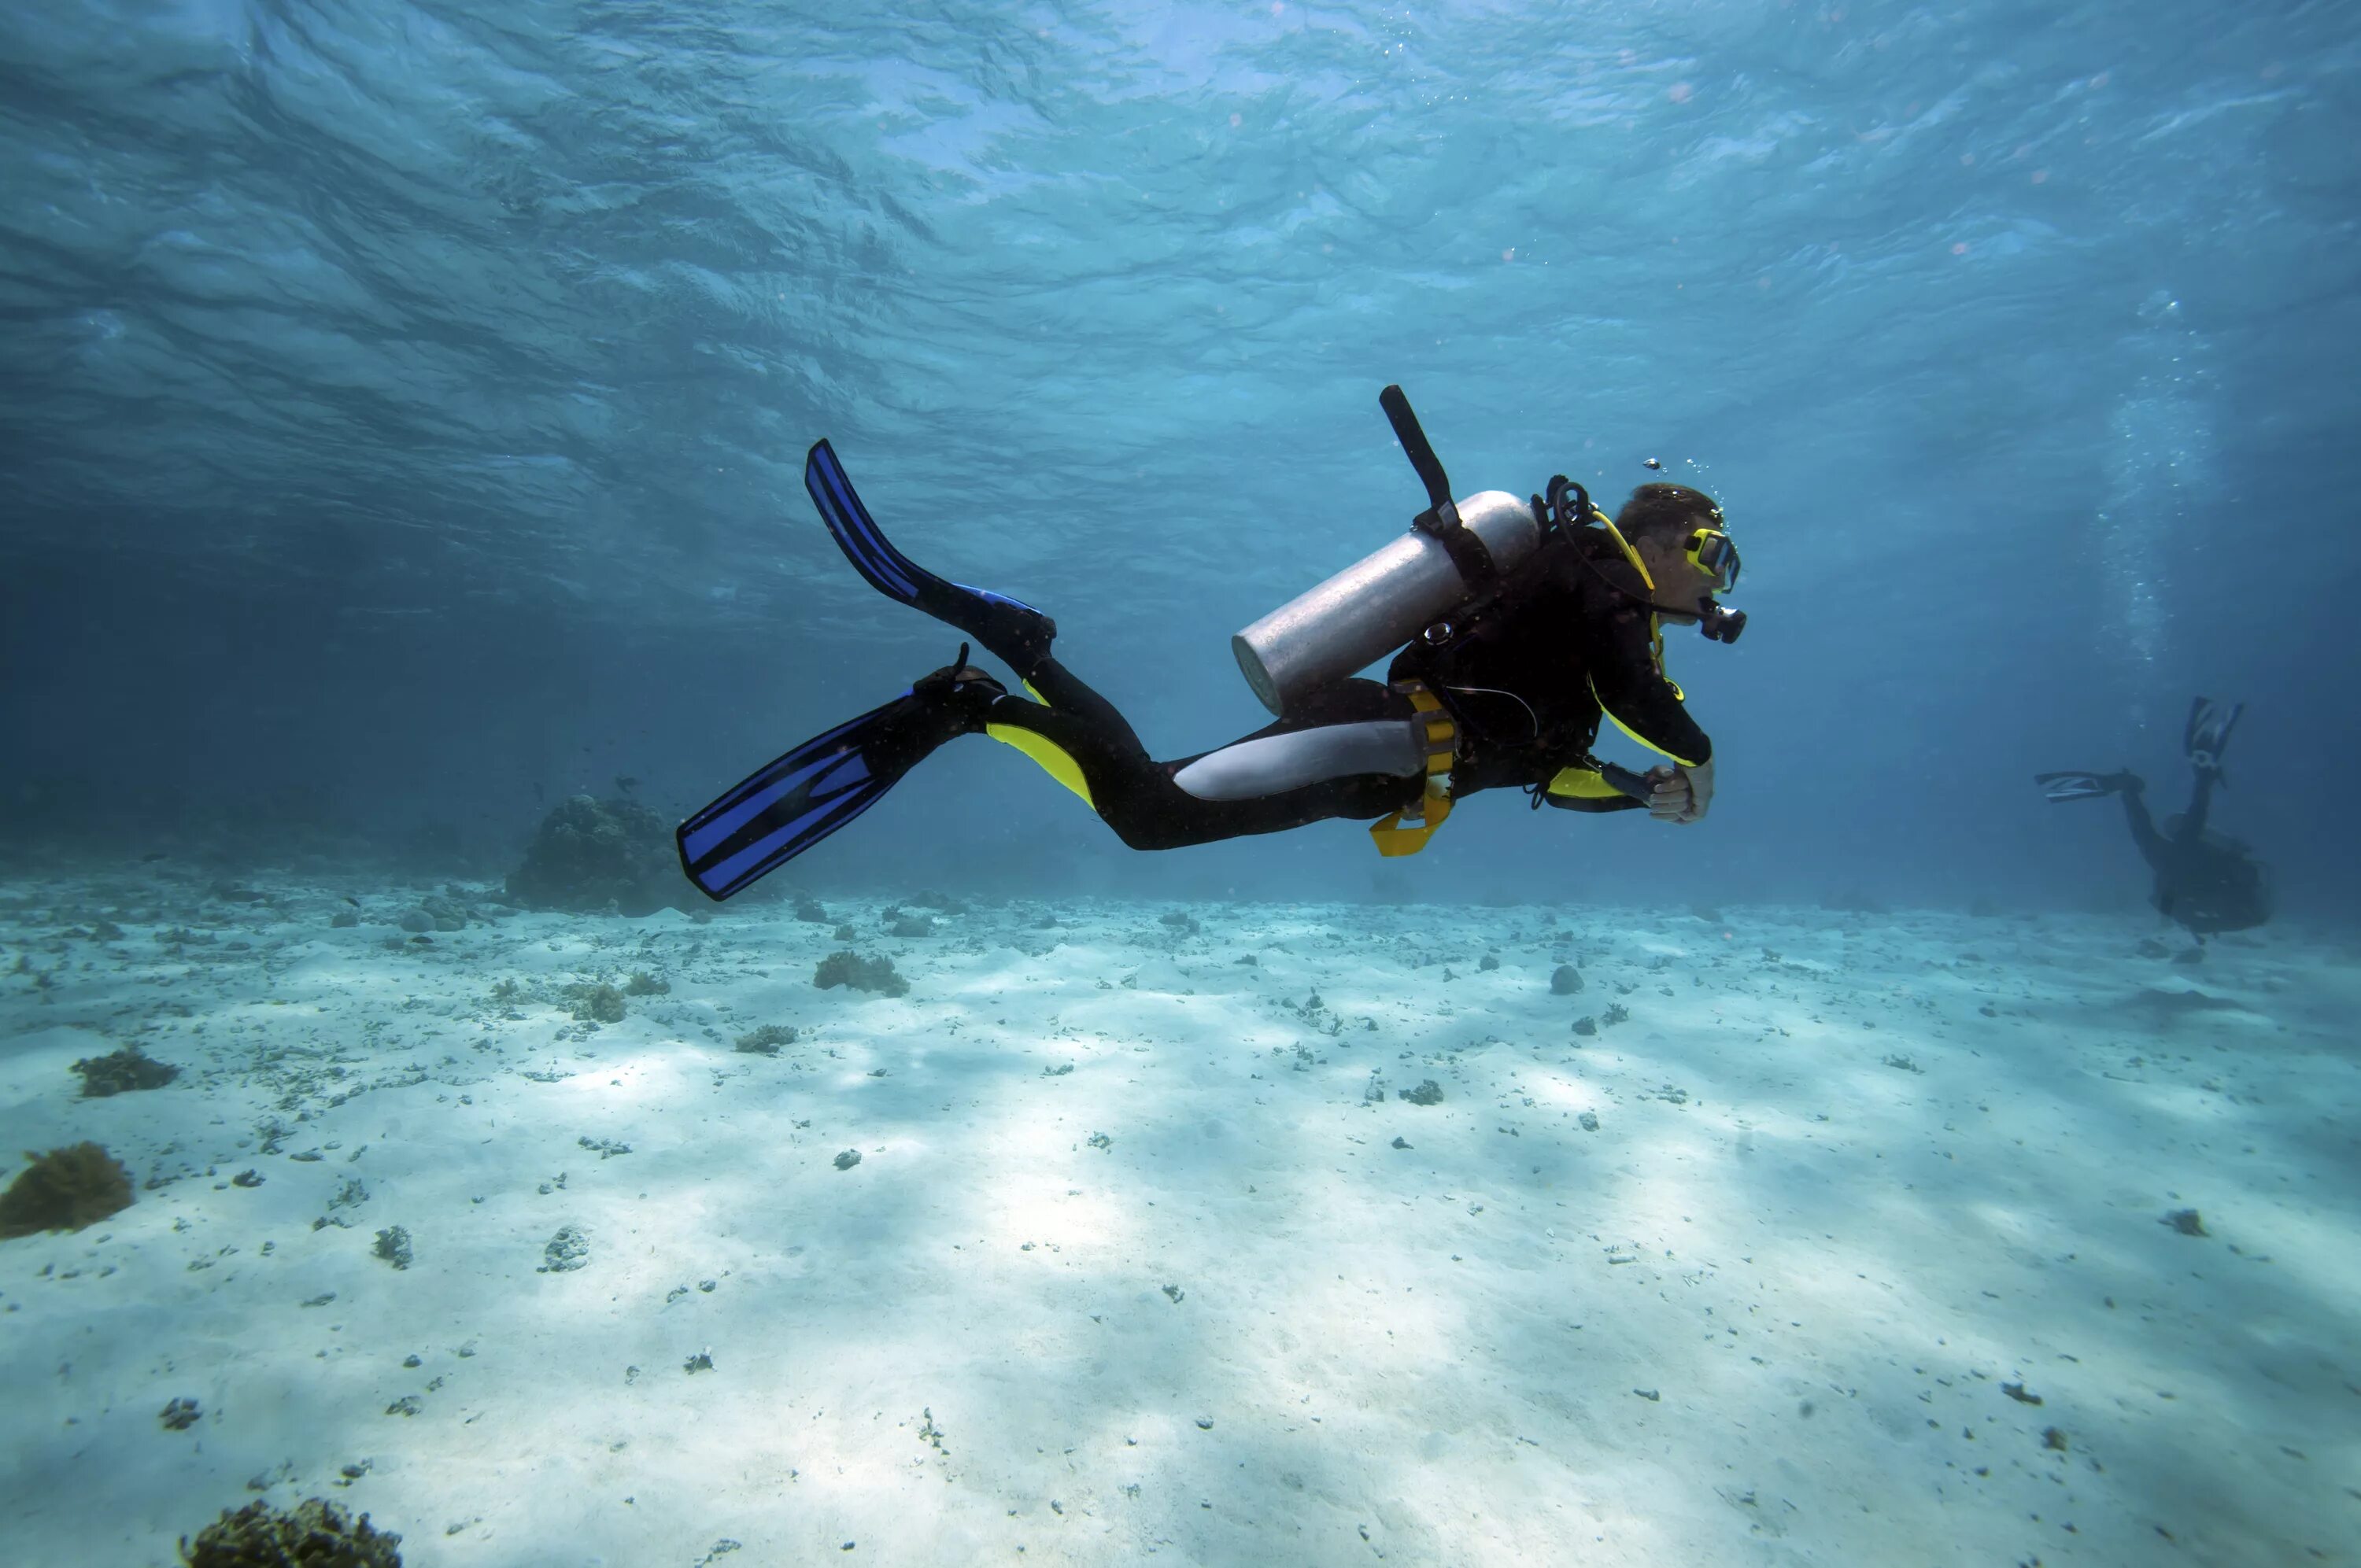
x: 1560, y: 643
x: 1572, y: 642
x: 2208, y: 881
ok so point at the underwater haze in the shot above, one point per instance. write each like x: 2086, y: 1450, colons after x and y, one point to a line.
x: 404, y: 412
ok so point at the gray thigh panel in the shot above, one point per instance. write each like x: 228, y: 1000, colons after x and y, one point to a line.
x: 1276, y: 764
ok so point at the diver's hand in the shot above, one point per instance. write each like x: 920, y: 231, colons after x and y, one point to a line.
x: 1681, y: 794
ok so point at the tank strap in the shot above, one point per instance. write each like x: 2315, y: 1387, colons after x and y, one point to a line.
x: 1465, y: 547
x: 1406, y: 832
x: 1439, y: 521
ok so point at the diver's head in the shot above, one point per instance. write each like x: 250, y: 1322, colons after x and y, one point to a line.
x: 1680, y: 537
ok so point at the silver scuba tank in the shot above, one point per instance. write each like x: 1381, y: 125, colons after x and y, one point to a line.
x: 1378, y: 603
x: 1454, y: 553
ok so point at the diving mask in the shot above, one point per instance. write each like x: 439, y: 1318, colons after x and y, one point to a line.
x: 1710, y: 551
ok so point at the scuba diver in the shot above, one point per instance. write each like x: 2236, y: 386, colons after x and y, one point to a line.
x: 1519, y: 625
x: 2206, y: 880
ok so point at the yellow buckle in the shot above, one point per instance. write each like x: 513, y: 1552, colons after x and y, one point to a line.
x: 1406, y: 832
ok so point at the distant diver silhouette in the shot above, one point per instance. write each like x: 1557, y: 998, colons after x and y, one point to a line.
x: 2205, y: 880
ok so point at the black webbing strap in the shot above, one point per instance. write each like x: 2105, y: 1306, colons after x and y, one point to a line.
x: 1467, y: 550
x: 1440, y: 521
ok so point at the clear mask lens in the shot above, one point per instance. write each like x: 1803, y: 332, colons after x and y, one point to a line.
x: 1712, y: 551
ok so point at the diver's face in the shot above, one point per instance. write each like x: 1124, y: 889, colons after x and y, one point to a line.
x: 1680, y: 582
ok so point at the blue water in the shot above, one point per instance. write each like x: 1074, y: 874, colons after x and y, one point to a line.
x: 401, y: 401
x: 403, y: 411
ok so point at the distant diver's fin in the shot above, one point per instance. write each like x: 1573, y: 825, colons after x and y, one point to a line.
x: 783, y: 809
x: 1010, y: 628
x: 2075, y: 786
x: 2209, y: 734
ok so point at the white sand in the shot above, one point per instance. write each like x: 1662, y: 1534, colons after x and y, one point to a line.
x: 1823, y: 1267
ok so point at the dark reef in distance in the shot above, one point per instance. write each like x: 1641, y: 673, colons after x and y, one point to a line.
x: 589, y: 855
x: 874, y: 974
x: 120, y: 1071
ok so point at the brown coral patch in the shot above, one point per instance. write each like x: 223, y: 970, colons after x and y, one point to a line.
x: 64, y: 1189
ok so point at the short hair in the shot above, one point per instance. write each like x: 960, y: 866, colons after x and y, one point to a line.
x: 1657, y: 511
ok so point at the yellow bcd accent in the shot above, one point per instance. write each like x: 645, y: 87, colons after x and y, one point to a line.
x: 1583, y: 783
x: 1643, y: 739
x: 1434, y: 807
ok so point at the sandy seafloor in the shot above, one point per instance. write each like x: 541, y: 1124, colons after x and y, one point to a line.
x: 1853, y: 1177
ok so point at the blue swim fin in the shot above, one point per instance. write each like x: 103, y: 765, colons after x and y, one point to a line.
x: 1012, y: 630
x: 2209, y: 734
x: 782, y: 809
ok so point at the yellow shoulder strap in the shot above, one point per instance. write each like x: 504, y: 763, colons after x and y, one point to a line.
x: 1655, y: 624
